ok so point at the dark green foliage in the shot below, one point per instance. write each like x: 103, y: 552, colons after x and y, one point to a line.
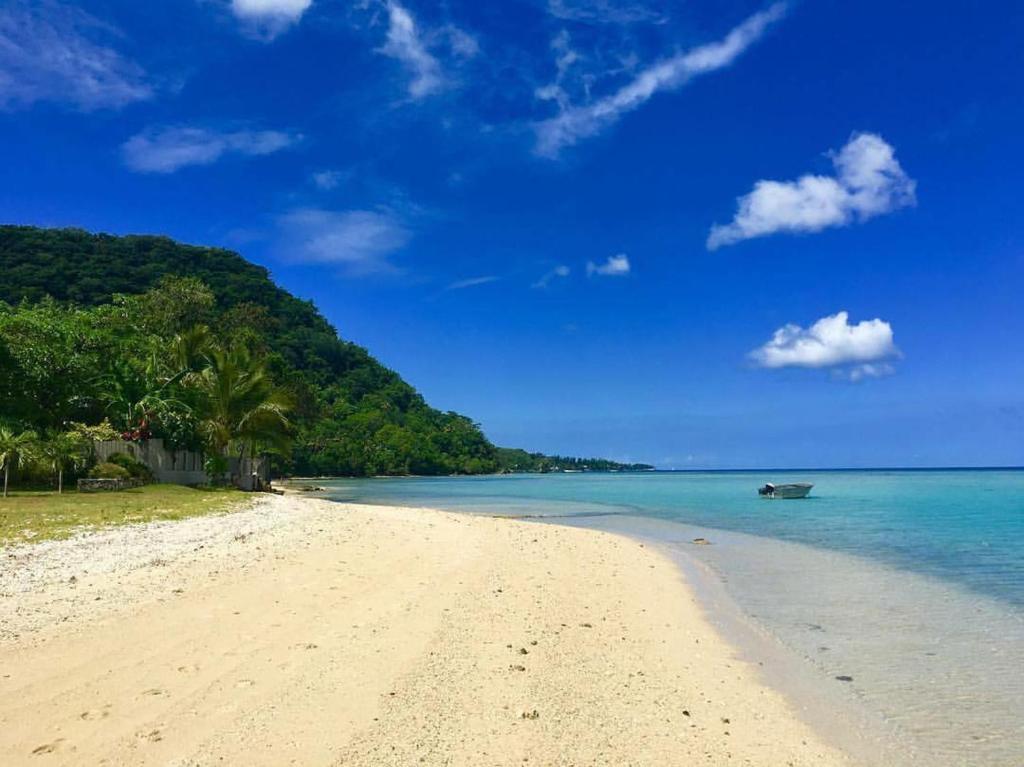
x: 109, y: 471
x: 136, y: 469
x: 513, y: 460
x: 353, y: 415
x: 95, y: 326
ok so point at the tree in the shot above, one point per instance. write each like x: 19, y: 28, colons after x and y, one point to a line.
x: 169, y: 307
x: 190, y: 349
x: 15, y: 447
x: 137, y: 397
x: 60, y: 451
x: 239, y: 404
x: 51, y: 358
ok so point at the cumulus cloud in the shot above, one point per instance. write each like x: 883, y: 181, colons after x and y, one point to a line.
x: 361, y: 241
x: 269, y: 18
x: 868, y: 182
x: 853, y: 352
x: 559, y: 272
x: 58, y: 53
x: 165, y: 150
x: 574, y: 123
x: 406, y: 44
x: 615, y: 266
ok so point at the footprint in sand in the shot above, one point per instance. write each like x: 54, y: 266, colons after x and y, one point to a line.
x: 95, y: 713
x: 154, y: 691
x: 245, y: 683
x: 47, y: 748
x: 153, y: 736
x: 189, y: 669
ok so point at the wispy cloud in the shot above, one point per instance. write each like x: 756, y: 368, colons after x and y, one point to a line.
x: 462, y: 44
x: 861, y: 372
x: 615, y: 266
x: 574, y: 123
x: 405, y: 43
x: 330, y: 179
x: 266, y: 19
x: 165, y: 150
x: 603, y: 11
x: 472, y: 282
x: 868, y: 182
x: 431, y: 55
x: 58, y: 53
x: 853, y: 352
x: 559, y: 272
x: 361, y: 241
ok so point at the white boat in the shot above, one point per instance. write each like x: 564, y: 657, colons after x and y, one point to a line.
x: 793, y: 490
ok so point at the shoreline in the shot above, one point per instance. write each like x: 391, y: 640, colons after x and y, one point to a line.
x: 333, y: 633
x: 842, y: 720
x: 881, y: 662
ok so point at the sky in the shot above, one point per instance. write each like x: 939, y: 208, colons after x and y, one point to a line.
x: 701, y: 234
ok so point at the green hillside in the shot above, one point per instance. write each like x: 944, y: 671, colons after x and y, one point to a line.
x: 352, y: 415
x: 89, y: 322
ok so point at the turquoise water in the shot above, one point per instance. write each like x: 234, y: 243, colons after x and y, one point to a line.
x: 910, y: 583
x: 965, y: 526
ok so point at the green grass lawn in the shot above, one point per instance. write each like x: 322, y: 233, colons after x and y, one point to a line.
x: 36, y: 516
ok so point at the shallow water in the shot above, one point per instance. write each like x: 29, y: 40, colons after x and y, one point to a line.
x: 910, y: 583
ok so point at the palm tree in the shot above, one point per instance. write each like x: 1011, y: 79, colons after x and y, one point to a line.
x: 60, y: 450
x: 191, y: 348
x: 15, y: 447
x: 136, y: 397
x: 240, y: 406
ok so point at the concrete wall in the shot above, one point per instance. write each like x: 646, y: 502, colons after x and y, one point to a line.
x: 181, y: 467
x: 178, y: 467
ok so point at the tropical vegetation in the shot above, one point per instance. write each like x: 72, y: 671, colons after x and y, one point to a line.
x: 138, y: 337
x: 514, y: 460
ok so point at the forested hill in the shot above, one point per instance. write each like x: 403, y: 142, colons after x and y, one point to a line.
x: 514, y: 460
x: 81, y: 311
x: 353, y: 415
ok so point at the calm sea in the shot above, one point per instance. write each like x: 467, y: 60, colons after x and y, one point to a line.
x: 893, y: 600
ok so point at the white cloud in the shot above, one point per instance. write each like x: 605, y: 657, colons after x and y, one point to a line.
x: 859, y: 373
x: 868, y: 182
x: 578, y: 122
x: 603, y: 11
x: 462, y: 44
x: 53, y: 52
x: 406, y: 44
x: 615, y: 266
x: 359, y: 240
x: 269, y: 18
x: 832, y: 342
x: 565, y: 57
x: 330, y: 179
x: 471, y: 282
x: 559, y: 272
x: 165, y: 150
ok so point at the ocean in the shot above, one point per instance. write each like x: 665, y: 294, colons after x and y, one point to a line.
x: 889, y: 604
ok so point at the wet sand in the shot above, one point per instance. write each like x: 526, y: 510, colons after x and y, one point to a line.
x: 308, y: 632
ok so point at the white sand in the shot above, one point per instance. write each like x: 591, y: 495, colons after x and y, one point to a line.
x: 312, y: 633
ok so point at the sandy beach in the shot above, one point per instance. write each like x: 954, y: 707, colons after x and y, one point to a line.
x: 301, y: 631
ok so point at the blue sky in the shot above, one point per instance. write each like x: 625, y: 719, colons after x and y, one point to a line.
x: 702, y: 234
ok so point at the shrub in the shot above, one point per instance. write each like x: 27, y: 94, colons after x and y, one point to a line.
x: 109, y: 471
x: 135, y: 468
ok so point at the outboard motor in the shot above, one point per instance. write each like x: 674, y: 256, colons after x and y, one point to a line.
x: 768, y: 489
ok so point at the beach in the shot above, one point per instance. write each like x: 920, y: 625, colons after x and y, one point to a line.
x: 301, y: 631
